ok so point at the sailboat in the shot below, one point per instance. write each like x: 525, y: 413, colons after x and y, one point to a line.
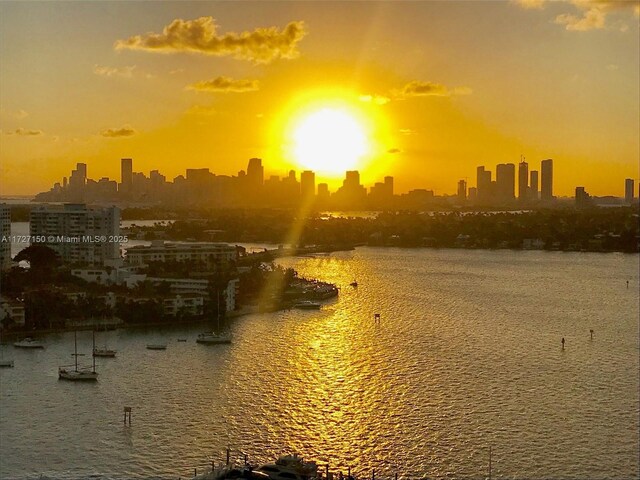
x: 211, y: 338
x: 102, y: 352
x: 66, y: 373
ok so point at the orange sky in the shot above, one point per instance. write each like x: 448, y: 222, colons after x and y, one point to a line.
x: 438, y: 87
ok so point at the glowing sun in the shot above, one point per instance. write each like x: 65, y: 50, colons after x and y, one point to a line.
x: 329, y: 140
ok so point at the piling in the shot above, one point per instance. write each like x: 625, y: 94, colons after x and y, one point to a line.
x: 127, y: 415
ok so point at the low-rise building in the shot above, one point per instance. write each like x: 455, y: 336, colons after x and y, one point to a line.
x: 187, y: 303
x: 210, y: 255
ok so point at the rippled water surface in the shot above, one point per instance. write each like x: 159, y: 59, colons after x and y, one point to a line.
x: 467, y: 355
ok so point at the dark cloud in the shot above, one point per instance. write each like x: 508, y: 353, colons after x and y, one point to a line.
x: 394, y: 150
x: 419, y: 89
x: 25, y: 133
x: 225, y: 85
x: 125, y: 131
x: 201, y: 36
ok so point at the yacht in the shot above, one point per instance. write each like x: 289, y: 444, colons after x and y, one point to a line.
x: 307, y: 305
x: 290, y: 467
x: 28, y: 343
x: 211, y: 338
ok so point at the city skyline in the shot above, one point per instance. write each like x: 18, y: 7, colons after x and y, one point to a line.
x: 385, y: 89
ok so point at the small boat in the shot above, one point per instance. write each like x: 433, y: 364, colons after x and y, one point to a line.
x: 354, y: 284
x: 307, y: 305
x: 102, y: 352
x: 210, y: 338
x: 28, y: 343
x: 156, y: 346
x: 77, y: 373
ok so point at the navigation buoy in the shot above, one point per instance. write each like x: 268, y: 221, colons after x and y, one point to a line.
x: 591, y: 332
x: 376, y: 317
x: 563, y: 343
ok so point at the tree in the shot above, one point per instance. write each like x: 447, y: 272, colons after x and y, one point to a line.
x: 42, y: 259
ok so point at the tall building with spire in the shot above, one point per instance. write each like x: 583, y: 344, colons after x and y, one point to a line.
x: 523, y: 181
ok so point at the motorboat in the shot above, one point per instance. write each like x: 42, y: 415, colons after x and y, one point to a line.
x: 102, y: 352
x: 76, y: 373
x: 211, y: 338
x: 290, y: 467
x: 28, y: 343
x: 307, y: 305
x: 156, y: 346
x: 354, y: 284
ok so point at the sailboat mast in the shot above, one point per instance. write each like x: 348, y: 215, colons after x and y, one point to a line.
x: 93, y: 351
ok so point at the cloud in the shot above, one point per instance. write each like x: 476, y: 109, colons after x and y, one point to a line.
x: 613, y: 67
x: 590, y: 15
x: 20, y: 114
x: 418, y: 88
x: 125, y: 131
x: 201, y: 36
x: 406, y: 131
x: 104, y: 71
x: 25, y: 132
x: 225, y: 85
x: 592, y: 19
x: 394, y: 150
x: 377, y: 99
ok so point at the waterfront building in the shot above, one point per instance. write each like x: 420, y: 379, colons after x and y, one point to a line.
x: 523, y: 181
x: 628, y: 191
x: 533, y: 185
x: 208, y: 255
x: 546, y: 187
x: 77, y: 233
x: 5, y: 233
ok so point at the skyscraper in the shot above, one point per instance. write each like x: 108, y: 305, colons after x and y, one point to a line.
x: 483, y: 185
x: 307, y: 184
x: 126, y: 176
x: 546, y: 187
x: 506, y: 181
x: 255, y: 172
x: 628, y: 191
x: 462, y: 190
x: 523, y: 181
x: 533, y: 187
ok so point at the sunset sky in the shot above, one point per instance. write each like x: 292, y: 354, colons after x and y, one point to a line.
x: 433, y: 88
